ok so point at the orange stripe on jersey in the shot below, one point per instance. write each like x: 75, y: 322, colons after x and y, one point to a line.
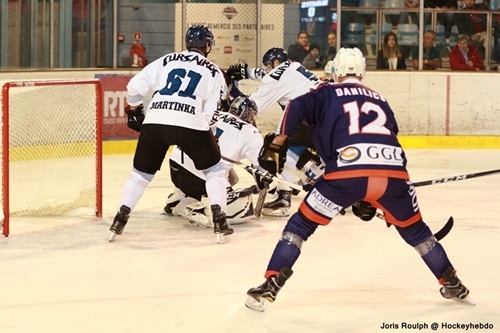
x: 391, y: 219
x: 312, y: 215
x: 376, y: 188
x: 366, y: 173
x: 270, y: 274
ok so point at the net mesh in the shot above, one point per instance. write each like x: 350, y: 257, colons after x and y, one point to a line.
x: 52, y: 149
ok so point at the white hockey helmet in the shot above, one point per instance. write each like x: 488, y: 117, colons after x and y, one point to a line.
x: 349, y: 62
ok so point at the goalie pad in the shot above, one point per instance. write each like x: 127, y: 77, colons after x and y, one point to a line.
x: 272, y: 157
x: 239, y: 209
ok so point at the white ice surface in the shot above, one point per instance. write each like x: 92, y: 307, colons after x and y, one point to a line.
x: 163, y: 275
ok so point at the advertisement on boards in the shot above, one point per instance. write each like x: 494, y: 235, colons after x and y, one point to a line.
x: 115, y: 100
x: 235, y: 30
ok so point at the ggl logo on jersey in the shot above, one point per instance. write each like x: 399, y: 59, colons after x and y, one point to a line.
x: 363, y: 153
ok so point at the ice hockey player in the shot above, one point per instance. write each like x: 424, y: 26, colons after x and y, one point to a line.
x: 238, y: 139
x: 282, y: 80
x: 355, y: 132
x: 188, y: 89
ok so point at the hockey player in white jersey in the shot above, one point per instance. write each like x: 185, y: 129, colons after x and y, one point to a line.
x: 281, y: 81
x: 238, y: 139
x: 187, y: 90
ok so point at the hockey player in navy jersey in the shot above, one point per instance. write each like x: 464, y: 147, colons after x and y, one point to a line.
x: 188, y: 89
x: 281, y: 81
x: 355, y: 132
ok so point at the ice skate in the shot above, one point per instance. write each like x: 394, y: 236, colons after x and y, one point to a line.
x: 280, y: 206
x: 119, y: 222
x: 259, y: 297
x: 172, y: 201
x: 221, y: 228
x: 453, y: 288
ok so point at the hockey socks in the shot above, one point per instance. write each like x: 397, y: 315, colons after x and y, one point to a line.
x: 287, y: 251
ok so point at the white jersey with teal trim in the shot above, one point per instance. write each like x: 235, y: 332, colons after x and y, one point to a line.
x: 285, y: 82
x: 238, y: 140
x: 187, y: 90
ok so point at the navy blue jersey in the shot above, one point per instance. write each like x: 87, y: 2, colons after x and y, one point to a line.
x: 353, y: 129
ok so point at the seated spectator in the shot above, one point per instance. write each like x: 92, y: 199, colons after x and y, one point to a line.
x: 464, y: 56
x: 299, y: 50
x: 390, y: 56
x: 474, y: 25
x: 446, y: 18
x: 311, y: 61
x: 410, y: 4
x: 431, y: 56
x: 332, y: 47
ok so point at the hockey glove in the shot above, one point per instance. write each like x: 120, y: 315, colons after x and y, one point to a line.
x: 364, y: 210
x: 263, y: 181
x: 271, y: 156
x: 237, y: 71
x: 135, y: 117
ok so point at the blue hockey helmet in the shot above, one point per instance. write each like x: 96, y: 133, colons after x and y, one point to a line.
x: 275, y: 53
x: 244, y: 108
x: 197, y: 36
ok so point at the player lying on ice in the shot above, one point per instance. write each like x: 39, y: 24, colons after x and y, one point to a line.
x: 355, y: 133
x: 238, y: 139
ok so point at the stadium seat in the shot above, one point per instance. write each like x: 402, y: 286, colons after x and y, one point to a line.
x: 368, y: 4
x: 494, y: 4
x: 408, y: 34
x: 386, y: 27
x: 394, y: 4
x: 440, y: 40
x: 453, y: 36
x: 355, y: 34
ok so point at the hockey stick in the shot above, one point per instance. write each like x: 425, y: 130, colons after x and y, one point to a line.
x: 438, y: 235
x: 254, y: 171
x: 259, y: 206
x: 455, y: 178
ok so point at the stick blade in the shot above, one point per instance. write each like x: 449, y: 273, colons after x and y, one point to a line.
x: 259, y: 206
x: 445, y: 229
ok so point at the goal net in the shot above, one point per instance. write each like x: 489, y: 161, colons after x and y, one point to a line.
x: 51, y: 148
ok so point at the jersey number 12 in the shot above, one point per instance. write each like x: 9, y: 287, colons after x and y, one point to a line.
x: 376, y: 126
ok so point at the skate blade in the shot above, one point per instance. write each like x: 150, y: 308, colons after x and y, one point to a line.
x: 222, y: 239
x: 253, y: 304
x: 112, y: 237
x: 280, y: 212
x: 466, y: 301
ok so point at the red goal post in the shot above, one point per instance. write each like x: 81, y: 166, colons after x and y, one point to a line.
x: 51, y: 148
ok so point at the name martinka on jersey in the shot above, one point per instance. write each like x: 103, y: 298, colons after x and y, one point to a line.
x: 189, y: 58
x: 175, y: 106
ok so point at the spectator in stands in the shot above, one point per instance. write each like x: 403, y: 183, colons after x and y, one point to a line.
x: 332, y: 47
x: 312, y: 61
x: 410, y: 4
x: 299, y: 50
x: 464, y: 56
x: 444, y: 18
x: 474, y: 25
x: 390, y: 56
x: 431, y: 56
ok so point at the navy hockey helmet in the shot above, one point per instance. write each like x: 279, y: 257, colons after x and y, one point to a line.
x: 244, y: 108
x: 275, y: 53
x: 197, y: 36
